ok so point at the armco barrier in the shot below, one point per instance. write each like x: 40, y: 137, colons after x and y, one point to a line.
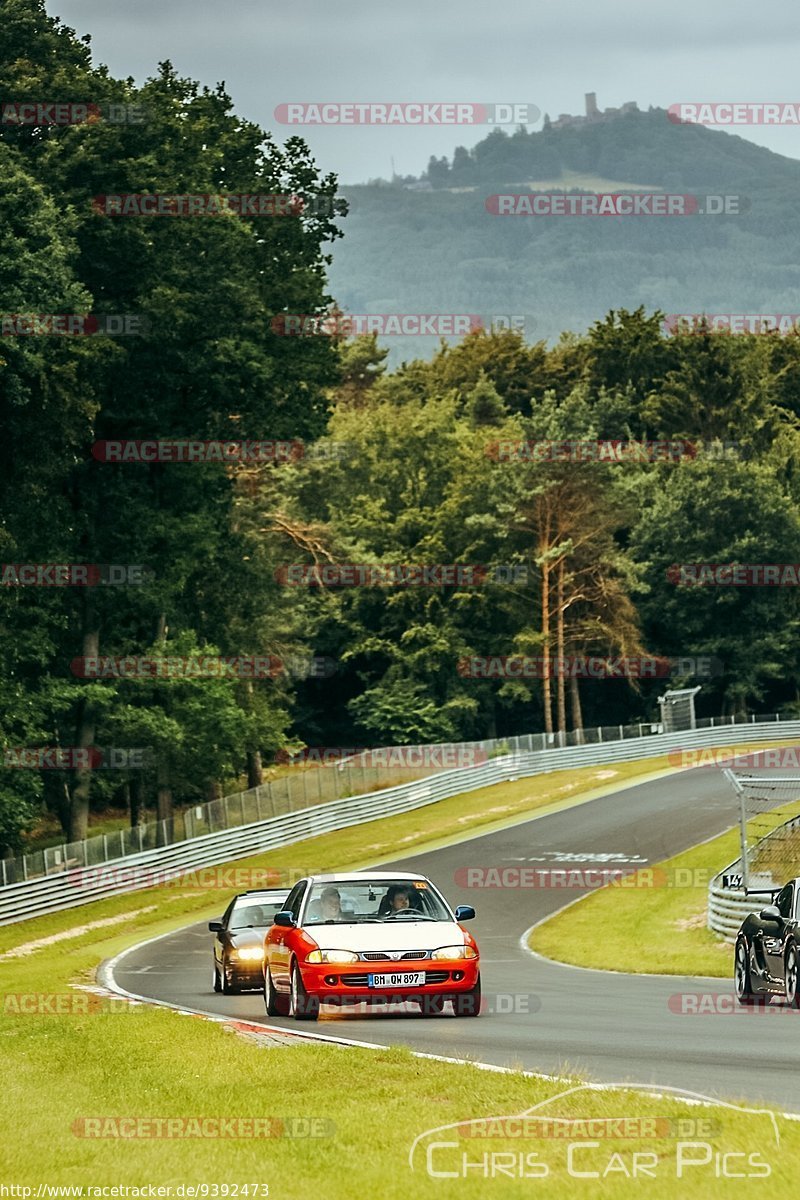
x: 728, y: 907
x: 354, y: 775
x: 69, y: 889
x: 72, y: 888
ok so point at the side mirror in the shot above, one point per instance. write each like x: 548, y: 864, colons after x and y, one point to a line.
x: 771, y: 913
x: 215, y: 926
x: 465, y: 912
x: 285, y: 919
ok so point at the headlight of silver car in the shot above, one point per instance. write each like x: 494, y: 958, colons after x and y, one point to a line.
x: 454, y: 952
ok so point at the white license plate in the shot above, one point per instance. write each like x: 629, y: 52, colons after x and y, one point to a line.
x: 397, y: 979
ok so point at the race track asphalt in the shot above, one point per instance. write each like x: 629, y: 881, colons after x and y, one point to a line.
x: 542, y: 1016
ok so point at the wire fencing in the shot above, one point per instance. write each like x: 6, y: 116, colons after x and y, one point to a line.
x: 70, y: 887
x: 769, y: 831
x: 305, y: 786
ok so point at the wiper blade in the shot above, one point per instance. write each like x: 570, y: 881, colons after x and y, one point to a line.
x: 411, y: 917
x: 354, y: 921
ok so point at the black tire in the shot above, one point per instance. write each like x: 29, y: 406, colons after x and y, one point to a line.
x: 217, y: 983
x: 271, y: 999
x: 302, y: 1006
x: 228, y: 987
x: 741, y: 974
x: 792, y: 977
x: 468, y: 1004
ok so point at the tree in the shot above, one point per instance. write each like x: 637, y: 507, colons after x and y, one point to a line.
x: 724, y: 511
x: 484, y: 406
x: 571, y: 511
x: 714, y: 391
x: 197, y: 374
x: 516, y: 370
x: 629, y: 350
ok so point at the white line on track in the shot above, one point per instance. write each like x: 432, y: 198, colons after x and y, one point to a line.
x: 105, y: 974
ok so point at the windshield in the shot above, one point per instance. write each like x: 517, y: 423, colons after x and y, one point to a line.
x: 361, y: 901
x: 260, y: 914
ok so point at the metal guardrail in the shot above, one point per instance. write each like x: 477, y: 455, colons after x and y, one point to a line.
x: 71, y: 888
x: 727, y: 906
x: 352, y: 776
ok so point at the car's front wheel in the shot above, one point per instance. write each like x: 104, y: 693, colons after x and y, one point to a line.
x: 741, y: 974
x: 272, y: 1002
x: 229, y: 988
x: 303, y: 1006
x: 468, y: 1004
x: 217, y: 981
x: 792, y: 971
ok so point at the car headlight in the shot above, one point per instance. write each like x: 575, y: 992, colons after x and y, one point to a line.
x: 332, y: 956
x: 248, y: 954
x: 454, y: 952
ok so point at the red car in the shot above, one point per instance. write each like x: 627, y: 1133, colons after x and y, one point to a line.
x: 369, y: 936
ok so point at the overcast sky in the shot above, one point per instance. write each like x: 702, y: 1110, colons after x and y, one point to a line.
x: 542, y: 52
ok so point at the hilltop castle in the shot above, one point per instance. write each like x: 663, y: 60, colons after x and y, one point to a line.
x: 593, y: 114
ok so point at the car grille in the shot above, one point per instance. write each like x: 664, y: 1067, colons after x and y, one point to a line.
x: 362, y: 980
x: 384, y: 956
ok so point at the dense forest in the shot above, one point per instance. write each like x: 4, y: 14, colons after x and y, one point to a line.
x: 572, y: 555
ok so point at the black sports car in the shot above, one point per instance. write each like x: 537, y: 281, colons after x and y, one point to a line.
x: 239, y: 944
x: 767, y: 956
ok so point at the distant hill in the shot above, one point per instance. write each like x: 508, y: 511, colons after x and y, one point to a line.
x: 643, y: 147
x: 422, y: 247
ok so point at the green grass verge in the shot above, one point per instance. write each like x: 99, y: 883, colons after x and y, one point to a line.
x: 142, y: 1062
x: 655, y: 919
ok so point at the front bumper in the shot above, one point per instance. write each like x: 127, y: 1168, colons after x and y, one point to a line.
x: 341, y: 984
x: 246, y: 974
